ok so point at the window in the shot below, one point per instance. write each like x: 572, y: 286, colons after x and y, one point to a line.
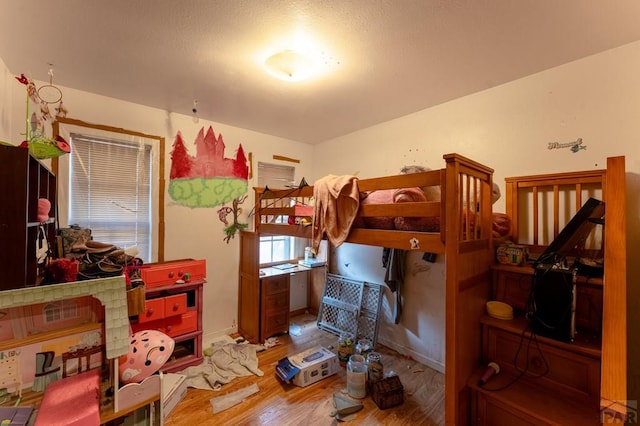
x: 110, y: 190
x: 110, y: 183
x: 60, y: 311
x: 276, y: 248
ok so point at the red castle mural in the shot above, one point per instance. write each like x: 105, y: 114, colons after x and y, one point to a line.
x: 207, y: 179
x: 209, y: 161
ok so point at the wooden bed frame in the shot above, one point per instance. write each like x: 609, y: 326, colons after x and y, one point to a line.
x: 465, y: 185
x: 462, y: 183
x: 538, y: 206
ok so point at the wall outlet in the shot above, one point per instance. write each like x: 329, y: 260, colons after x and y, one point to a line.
x: 234, y: 325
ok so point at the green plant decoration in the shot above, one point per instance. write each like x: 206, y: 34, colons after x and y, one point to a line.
x: 231, y: 229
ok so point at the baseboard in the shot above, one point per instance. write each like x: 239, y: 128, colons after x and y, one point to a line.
x: 431, y: 363
x: 298, y: 312
x: 209, y: 338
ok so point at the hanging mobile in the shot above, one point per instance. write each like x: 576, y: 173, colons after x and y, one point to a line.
x: 36, y: 141
x: 48, y: 93
x: 51, y: 94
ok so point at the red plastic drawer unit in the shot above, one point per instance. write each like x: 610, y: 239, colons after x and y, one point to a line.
x: 168, y: 273
x: 153, y: 310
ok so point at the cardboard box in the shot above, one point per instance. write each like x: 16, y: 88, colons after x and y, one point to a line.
x: 174, y: 388
x: 308, y: 367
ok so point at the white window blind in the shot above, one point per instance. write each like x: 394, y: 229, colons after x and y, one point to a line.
x: 110, y: 191
x: 275, y: 176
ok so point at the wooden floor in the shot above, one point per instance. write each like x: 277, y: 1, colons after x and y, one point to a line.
x: 283, y: 404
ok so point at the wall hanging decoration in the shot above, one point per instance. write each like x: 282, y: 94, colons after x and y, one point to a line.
x: 40, y: 145
x: 208, y: 179
x: 575, y: 146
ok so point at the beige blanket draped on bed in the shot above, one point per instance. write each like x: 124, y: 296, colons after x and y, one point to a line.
x: 337, y: 200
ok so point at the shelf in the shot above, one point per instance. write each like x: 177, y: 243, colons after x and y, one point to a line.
x: 526, y: 403
x: 528, y: 270
x: 108, y: 414
x: 584, y: 343
x: 525, y: 269
x: 23, y: 181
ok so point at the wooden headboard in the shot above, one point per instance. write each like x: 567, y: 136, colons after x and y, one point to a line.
x: 540, y: 205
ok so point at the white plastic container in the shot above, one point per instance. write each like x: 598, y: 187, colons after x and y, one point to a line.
x: 357, y: 377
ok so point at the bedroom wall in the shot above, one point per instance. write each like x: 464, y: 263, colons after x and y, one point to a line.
x: 507, y: 128
x: 190, y: 233
x: 5, y: 102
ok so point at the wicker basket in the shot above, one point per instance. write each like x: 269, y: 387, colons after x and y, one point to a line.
x: 387, y: 392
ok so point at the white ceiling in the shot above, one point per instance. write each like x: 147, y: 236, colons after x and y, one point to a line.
x: 388, y: 58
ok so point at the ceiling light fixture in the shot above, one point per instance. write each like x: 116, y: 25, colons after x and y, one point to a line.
x: 290, y: 65
x: 194, y: 112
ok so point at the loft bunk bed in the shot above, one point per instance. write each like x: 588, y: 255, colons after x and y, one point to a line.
x: 537, y: 205
x: 457, y: 224
x: 414, y: 211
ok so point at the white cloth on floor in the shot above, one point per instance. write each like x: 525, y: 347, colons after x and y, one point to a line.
x: 227, y: 361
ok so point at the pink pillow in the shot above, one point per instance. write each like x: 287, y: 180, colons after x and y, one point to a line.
x: 148, y: 351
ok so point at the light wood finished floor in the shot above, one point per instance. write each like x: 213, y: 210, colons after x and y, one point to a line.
x: 282, y: 404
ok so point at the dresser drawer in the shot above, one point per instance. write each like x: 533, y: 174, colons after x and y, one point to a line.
x: 277, y: 284
x: 181, y: 324
x: 171, y: 326
x: 163, y: 274
x: 153, y: 310
x: 276, y: 303
x: 560, y: 369
x: 175, y: 304
x: 276, y: 323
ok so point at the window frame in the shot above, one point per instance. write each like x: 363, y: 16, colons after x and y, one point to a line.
x: 60, y: 165
x: 272, y: 175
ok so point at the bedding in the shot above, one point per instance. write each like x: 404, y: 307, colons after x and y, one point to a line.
x: 390, y: 196
x: 501, y: 223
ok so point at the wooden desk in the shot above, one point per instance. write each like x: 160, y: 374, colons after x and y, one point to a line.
x: 264, y: 303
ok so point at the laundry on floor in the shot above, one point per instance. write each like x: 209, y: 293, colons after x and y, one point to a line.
x: 223, y: 362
